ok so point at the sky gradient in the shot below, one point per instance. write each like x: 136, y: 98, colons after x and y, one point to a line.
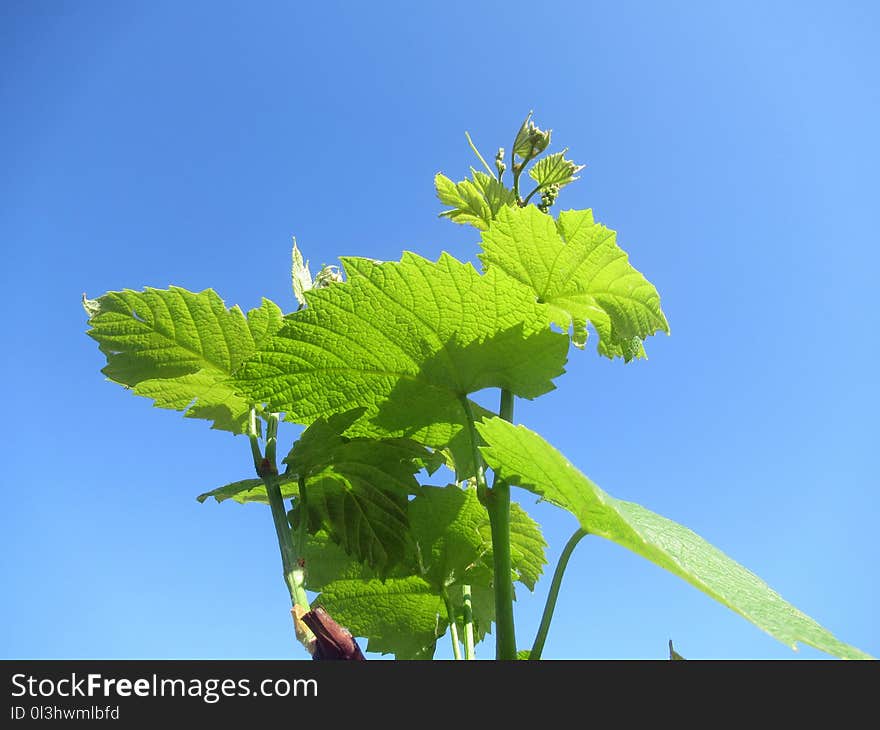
x: 733, y: 146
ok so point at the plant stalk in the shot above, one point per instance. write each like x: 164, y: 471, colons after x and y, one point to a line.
x: 468, y: 619
x: 477, y: 153
x: 499, y: 521
x: 497, y: 502
x: 550, y: 605
x: 267, y: 470
x: 498, y: 506
x: 453, y: 627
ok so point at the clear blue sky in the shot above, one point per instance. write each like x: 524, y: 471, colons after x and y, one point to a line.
x: 733, y: 146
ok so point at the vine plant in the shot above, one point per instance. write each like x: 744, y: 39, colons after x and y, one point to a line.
x: 379, y: 363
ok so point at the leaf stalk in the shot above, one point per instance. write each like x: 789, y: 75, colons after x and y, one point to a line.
x: 556, y: 583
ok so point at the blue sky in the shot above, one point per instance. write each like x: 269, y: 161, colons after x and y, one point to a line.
x: 733, y: 146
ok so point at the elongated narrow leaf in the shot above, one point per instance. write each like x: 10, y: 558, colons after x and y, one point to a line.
x: 400, y: 616
x: 250, y: 490
x: 407, y: 342
x: 525, y: 459
x: 179, y: 348
x: 577, y: 268
x: 300, y: 276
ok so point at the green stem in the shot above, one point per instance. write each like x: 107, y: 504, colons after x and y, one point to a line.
x: 255, y: 441
x: 499, y: 521
x: 272, y: 441
x: 468, y: 619
x: 294, y: 576
x: 531, y: 195
x: 497, y: 501
x: 479, y: 467
x: 549, y: 607
x: 302, y: 532
x: 477, y: 153
x: 498, y: 506
x: 293, y: 573
x: 453, y: 627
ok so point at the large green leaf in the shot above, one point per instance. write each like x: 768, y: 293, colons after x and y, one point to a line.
x: 179, y: 348
x: 407, y: 341
x: 400, y: 616
x: 577, y: 268
x: 525, y: 459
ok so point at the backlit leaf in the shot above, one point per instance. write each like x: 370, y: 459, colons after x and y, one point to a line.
x: 180, y: 348
x: 525, y: 459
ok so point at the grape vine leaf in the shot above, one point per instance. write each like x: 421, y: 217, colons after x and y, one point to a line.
x: 474, y: 202
x: 447, y: 525
x: 451, y: 546
x: 180, y: 347
x: 577, y: 268
x: 407, y: 341
x: 400, y: 616
x: 357, y: 487
x: 326, y: 562
x: 554, y: 170
x: 525, y: 459
x: 253, y: 490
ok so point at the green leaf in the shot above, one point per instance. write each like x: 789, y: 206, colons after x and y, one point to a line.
x: 357, y: 487
x: 407, y: 342
x: 326, y: 562
x: 393, y: 461
x: 367, y: 521
x: 251, y: 490
x: 448, y: 527
x: 554, y: 170
x: 450, y: 531
x: 494, y: 192
x: 527, y: 547
x: 577, y: 268
x: 451, y: 528
x: 179, y: 348
x: 530, y: 141
x: 482, y: 609
x: 474, y: 202
x: 300, y: 276
x: 525, y: 459
x: 400, y: 616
